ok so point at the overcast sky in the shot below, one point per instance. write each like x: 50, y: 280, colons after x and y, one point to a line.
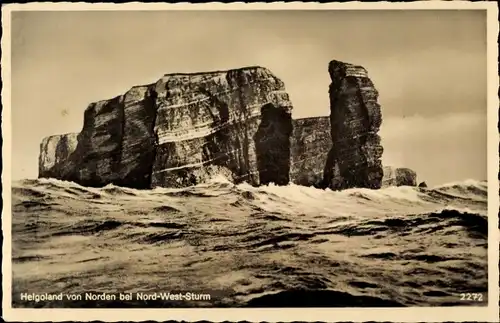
x: 429, y: 67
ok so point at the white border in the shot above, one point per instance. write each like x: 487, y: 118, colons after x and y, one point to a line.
x: 421, y: 314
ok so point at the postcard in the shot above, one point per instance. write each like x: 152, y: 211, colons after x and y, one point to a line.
x: 250, y: 162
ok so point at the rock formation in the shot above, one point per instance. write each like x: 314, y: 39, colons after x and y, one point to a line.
x: 54, y: 153
x: 422, y: 185
x: 394, y: 176
x: 310, y: 143
x: 355, y: 157
x: 184, y: 128
x: 174, y: 132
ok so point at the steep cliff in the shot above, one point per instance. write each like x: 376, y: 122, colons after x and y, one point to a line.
x: 176, y: 131
x: 184, y: 128
x: 310, y: 143
x: 394, y: 176
x: 239, y: 120
x: 54, y: 153
x: 355, y: 157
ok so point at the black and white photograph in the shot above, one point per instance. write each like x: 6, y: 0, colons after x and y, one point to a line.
x: 253, y: 158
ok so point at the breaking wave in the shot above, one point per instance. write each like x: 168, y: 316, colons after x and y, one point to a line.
x: 252, y: 246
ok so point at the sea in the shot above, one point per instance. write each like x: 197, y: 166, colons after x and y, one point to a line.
x: 224, y: 245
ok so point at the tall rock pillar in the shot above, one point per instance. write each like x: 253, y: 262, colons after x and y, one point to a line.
x: 355, y: 157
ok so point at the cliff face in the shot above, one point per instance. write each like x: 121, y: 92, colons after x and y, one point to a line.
x: 394, y: 176
x: 355, y: 157
x: 185, y: 127
x: 176, y: 131
x: 310, y: 143
x: 239, y: 120
x: 54, y: 153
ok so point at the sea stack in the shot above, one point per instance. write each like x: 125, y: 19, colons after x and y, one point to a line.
x: 355, y: 157
x: 422, y: 185
x: 399, y: 176
x: 178, y: 131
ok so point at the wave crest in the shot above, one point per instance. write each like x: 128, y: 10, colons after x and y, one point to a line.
x: 286, y: 198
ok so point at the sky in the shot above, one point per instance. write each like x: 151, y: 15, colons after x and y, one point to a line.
x: 428, y: 66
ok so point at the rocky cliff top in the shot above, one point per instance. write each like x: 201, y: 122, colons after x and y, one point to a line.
x: 338, y: 70
x: 218, y: 77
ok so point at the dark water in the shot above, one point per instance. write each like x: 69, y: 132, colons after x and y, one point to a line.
x: 246, y: 246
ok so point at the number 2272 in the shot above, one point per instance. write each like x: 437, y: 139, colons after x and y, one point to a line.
x: 477, y: 297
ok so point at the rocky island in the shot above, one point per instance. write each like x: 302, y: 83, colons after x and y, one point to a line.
x: 184, y: 128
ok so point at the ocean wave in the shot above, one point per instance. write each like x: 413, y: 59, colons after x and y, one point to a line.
x: 468, y: 197
x: 255, y: 245
x: 466, y: 188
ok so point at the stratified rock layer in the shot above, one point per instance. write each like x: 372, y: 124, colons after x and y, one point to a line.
x: 355, y: 157
x: 239, y: 120
x: 177, y: 131
x: 394, y: 176
x: 310, y: 143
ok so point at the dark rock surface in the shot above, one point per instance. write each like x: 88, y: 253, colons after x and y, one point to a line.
x: 54, y: 153
x: 394, y: 176
x: 310, y: 143
x: 177, y: 131
x: 422, y: 185
x: 355, y: 157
